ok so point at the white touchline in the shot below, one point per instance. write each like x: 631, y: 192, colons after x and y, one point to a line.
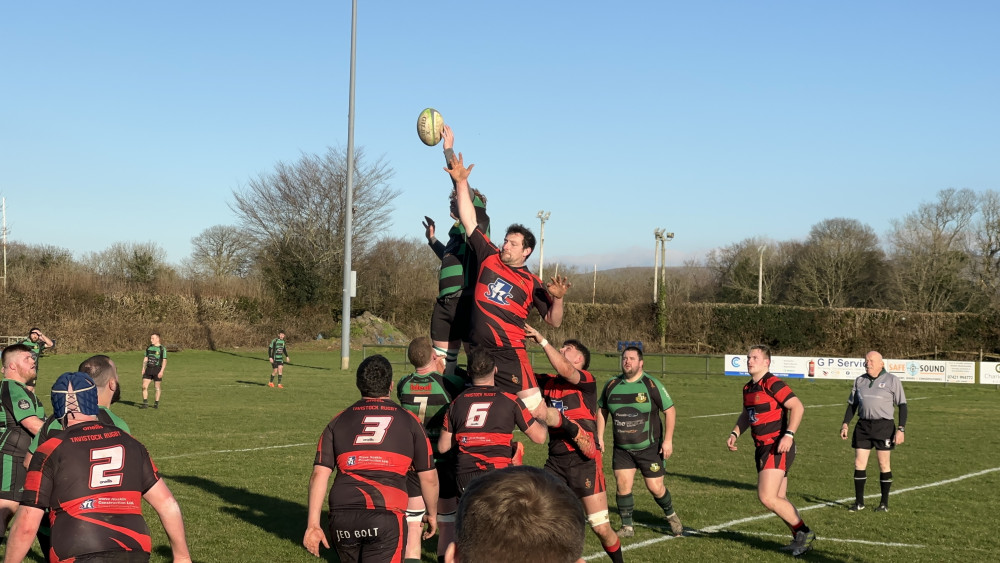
x: 807, y: 406
x: 731, y: 523
x: 840, y: 540
x: 235, y: 451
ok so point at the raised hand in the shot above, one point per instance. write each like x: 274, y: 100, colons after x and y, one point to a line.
x: 558, y: 286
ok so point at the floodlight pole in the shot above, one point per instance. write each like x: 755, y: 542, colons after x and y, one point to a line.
x: 345, y: 316
x: 657, y: 235
x: 3, y: 204
x: 543, y: 216
x: 760, y: 275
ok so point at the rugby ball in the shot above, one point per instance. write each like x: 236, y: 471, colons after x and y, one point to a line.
x: 429, y: 126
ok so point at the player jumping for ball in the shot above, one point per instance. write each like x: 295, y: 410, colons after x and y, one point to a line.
x: 504, y: 293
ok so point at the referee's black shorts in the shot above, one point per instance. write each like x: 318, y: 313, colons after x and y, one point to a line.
x: 879, y: 434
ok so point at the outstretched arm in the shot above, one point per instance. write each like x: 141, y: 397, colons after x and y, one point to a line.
x: 557, y: 288
x: 558, y: 361
x: 460, y: 175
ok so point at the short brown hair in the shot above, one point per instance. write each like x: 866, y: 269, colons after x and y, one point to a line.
x: 99, y: 368
x: 519, y: 513
x: 420, y: 351
x: 481, y: 364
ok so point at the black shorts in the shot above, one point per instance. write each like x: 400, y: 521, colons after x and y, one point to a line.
x: 275, y: 364
x: 514, y: 372
x: 767, y: 457
x: 879, y: 434
x: 464, y: 479
x: 447, y: 487
x: 114, y: 557
x: 584, y: 476
x: 648, y: 461
x: 367, y: 535
x: 152, y: 372
x: 451, y: 319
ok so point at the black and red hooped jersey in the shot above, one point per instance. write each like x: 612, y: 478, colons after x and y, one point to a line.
x: 504, y: 296
x: 371, y: 445
x: 92, y: 478
x: 577, y: 402
x: 764, y: 403
x: 482, y: 420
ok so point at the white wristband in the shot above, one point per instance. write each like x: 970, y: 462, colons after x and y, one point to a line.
x: 544, y: 343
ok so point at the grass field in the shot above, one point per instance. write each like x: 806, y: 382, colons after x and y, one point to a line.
x: 238, y: 456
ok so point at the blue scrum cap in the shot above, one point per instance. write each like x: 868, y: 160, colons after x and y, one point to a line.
x: 79, y: 384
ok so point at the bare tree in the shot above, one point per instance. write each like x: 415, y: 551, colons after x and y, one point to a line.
x: 398, y: 276
x: 297, y: 214
x: 986, y: 249
x: 930, y: 254
x: 736, y: 269
x: 839, y: 265
x: 139, y: 262
x: 222, y: 251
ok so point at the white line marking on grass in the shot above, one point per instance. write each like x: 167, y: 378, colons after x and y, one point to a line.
x: 840, y: 540
x: 838, y: 503
x: 212, y: 452
x: 807, y: 406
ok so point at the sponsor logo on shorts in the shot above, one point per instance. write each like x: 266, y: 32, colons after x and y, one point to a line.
x: 654, y: 467
x: 499, y: 291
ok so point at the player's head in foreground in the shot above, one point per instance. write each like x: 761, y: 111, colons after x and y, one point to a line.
x: 103, y: 371
x: 577, y: 354
x: 521, y: 514
x: 375, y: 376
x: 517, y: 245
x: 482, y: 369
x: 74, y: 396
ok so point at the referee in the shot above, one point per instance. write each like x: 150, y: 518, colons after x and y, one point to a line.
x: 874, y: 396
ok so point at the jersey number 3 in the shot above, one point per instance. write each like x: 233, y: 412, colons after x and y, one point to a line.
x: 374, y: 430
x: 107, y: 473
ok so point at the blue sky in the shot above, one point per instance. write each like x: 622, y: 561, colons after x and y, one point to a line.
x: 135, y: 121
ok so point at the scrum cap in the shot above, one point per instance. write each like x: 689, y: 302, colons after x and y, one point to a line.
x: 74, y: 384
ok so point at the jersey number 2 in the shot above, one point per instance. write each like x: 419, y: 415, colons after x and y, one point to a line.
x: 107, y: 473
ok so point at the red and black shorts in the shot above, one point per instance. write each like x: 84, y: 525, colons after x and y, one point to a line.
x: 367, y: 535
x: 451, y: 319
x: 584, y: 476
x: 768, y: 457
x: 879, y: 434
x: 648, y: 461
x: 514, y: 373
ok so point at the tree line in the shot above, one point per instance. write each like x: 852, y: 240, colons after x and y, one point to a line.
x: 286, y: 250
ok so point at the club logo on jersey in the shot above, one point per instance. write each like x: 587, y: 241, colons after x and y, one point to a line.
x: 87, y: 504
x: 881, y: 385
x: 514, y: 379
x: 641, y: 398
x: 654, y: 467
x: 752, y: 415
x: 351, y: 460
x: 23, y: 404
x: 499, y: 291
x: 587, y: 484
